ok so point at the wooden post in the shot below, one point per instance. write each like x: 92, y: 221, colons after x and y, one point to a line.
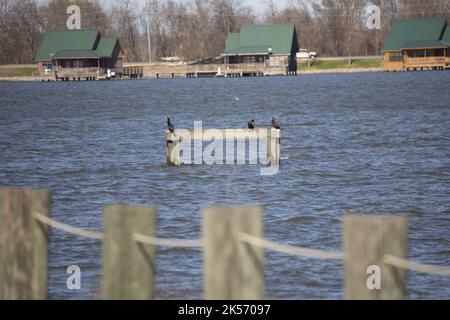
x: 23, y: 244
x: 273, y: 146
x: 366, y: 240
x: 276, y: 139
x: 128, y: 267
x: 233, y: 270
x: 173, y: 145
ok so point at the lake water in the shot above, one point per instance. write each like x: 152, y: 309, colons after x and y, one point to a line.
x: 373, y: 142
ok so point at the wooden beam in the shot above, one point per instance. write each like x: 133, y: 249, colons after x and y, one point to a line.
x: 366, y: 240
x: 233, y: 270
x: 227, y: 134
x: 23, y: 244
x: 128, y: 266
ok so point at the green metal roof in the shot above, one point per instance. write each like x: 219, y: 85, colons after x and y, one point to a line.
x: 56, y: 40
x: 232, y: 41
x: 423, y: 44
x: 250, y: 50
x: 106, y: 46
x: 446, y: 37
x: 75, y: 44
x: 76, y: 53
x: 408, y: 31
x: 278, y: 37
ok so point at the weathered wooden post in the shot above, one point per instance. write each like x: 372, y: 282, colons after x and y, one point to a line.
x: 233, y: 270
x: 128, y: 266
x: 173, y: 145
x: 274, y: 146
x: 23, y: 244
x: 366, y: 240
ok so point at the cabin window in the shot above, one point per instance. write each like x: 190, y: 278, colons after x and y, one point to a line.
x: 47, y: 66
x: 419, y: 54
x: 395, y: 57
x: 439, y: 53
x: 249, y: 60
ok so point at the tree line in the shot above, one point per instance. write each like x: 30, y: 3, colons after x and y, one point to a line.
x: 197, y: 29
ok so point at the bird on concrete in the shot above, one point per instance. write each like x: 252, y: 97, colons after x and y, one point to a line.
x: 276, y: 124
x: 251, y: 125
x: 170, y: 126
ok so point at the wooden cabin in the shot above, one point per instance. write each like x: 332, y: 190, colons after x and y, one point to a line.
x: 78, y: 54
x: 418, y: 44
x: 271, y: 45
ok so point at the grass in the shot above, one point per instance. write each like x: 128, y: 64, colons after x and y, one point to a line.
x: 340, y: 64
x: 16, y: 72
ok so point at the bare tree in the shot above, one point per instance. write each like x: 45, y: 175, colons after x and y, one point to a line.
x: 93, y: 15
x: 21, y: 27
x: 125, y: 25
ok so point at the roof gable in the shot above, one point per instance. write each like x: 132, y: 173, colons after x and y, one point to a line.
x: 106, y: 47
x: 232, y: 41
x: 446, y: 37
x: 261, y: 38
x: 417, y: 30
x: 56, y: 40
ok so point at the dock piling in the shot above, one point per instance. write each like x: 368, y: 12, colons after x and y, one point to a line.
x: 23, y: 244
x: 173, y: 148
x: 366, y: 240
x: 128, y: 266
x: 233, y: 270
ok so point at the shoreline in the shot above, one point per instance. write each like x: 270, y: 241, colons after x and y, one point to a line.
x: 340, y: 70
x: 300, y: 73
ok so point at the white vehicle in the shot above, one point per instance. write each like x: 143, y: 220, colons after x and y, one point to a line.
x: 306, y: 54
x: 171, y: 59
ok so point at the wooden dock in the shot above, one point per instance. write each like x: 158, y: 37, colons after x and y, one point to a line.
x: 163, y: 70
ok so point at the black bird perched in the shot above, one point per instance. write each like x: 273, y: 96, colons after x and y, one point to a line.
x: 275, y: 124
x: 252, y: 124
x: 170, y: 126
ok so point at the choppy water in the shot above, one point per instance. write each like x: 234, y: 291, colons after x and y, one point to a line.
x: 378, y: 143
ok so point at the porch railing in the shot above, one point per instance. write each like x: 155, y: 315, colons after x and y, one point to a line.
x: 425, y: 60
x: 79, y: 72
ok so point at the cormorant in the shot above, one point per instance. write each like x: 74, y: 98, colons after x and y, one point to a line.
x: 252, y: 124
x: 170, y: 126
x: 275, y: 124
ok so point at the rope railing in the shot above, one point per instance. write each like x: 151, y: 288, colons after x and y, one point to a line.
x: 288, y: 249
x: 69, y: 229
x: 391, y: 260
x: 172, y: 243
x: 415, y: 266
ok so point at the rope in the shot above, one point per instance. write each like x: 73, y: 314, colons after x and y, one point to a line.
x: 302, y: 252
x: 415, y: 266
x: 69, y: 229
x: 269, y: 245
x: 173, y: 243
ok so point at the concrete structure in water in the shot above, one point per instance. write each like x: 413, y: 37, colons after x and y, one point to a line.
x: 78, y: 54
x: 417, y: 44
x: 270, y: 136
